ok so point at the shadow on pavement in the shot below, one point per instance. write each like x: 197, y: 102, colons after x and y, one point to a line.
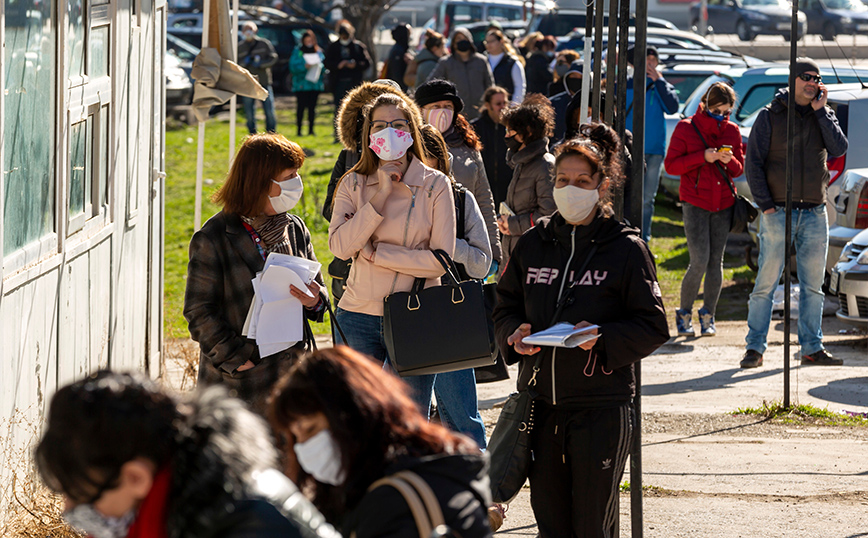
x: 712, y: 381
x: 843, y: 391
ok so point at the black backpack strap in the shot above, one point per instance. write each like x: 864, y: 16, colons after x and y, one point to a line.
x: 460, y: 195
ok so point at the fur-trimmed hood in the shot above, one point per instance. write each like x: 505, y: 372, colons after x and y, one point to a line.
x: 349, y: 120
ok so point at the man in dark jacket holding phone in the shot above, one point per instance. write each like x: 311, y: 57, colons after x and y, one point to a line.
x: 817, y: 137
x: 257, y: 55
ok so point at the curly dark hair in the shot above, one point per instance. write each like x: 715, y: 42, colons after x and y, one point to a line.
x: 599, y: 145
x: 467, y: 133
x: 533, y: 119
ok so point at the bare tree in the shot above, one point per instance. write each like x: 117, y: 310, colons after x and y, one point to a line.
x: 363, y: 14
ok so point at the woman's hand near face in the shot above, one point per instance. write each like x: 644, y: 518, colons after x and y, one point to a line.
x: 503, y: 224
x: 590, y: 343
x: 304, y: 299
x: 383, y: 191
x: 515, y: 340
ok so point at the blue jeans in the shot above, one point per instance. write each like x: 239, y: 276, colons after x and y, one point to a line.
x: 457, y: 404
x: 365, y: 334
x: 652, y: 181
x: 267, y: 105
x: 810, y: 236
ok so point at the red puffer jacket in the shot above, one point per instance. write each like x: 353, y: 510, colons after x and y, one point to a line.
x: 702, y: 183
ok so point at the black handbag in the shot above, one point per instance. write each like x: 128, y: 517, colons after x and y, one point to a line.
x: 496, y: 371
x: 743, y: 212
x: 509, y: 445
x: 438, y: 329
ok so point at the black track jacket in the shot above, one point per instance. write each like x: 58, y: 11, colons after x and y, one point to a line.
x: 617, y: 291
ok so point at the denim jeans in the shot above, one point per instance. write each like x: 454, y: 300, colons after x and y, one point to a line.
x: 810, y: 236
x: 457, y: 404
x: 364, y: 333
x: 267, y: 105
x: 706, y: 233
x: 652, y: 181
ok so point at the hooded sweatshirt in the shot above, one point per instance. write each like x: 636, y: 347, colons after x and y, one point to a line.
x: 617, y: 290
x: 471, y: 77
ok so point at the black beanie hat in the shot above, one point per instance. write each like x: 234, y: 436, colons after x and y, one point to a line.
x: 438, y: 90
x: 803, y: 65
x: 631, y: 53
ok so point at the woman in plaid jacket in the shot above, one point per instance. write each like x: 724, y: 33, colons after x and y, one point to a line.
x: 225, y: 255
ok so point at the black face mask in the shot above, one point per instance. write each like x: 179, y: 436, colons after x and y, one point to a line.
x: 463, y: 45
x: 574, y: 85
x: 512, y: 144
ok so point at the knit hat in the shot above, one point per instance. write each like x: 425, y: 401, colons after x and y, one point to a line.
x: 803, y: 65
x: 387, y: 82
x: 631, y: 52
x: 438, y: 90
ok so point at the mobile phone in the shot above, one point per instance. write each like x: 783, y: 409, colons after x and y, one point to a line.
x: 726, y: 148
x: 819, y: 95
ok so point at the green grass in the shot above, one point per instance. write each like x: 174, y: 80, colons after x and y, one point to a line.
x: 668, y: 241
x: 181, y: 190
x: 799, y: 414
x: 670, y: 246
x: 625, y: 487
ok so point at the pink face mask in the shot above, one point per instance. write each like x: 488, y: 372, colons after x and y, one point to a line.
x: 390, y: 144
x: 440, y: 118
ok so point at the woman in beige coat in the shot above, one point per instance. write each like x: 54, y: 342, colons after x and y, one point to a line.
x: 390, y: 212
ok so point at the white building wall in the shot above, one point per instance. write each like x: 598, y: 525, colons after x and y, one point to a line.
x: 87, y: 295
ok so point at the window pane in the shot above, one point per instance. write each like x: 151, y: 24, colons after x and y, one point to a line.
x: 78, y: 169
x: 28, y: 164
x: 75, y: 39
x: 103, y: 155
x: 99, y: 51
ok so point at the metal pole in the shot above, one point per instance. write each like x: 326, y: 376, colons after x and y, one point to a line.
x: 641, y: 41
x: 233, y: 102
x: 703, y: 18
x: 610, y: 60
x: 791, y: 156
x: 200, y: 146
x: 598, y: 60
x: 586, y: 62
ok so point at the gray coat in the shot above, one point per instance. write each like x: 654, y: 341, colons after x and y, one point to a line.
x: 471, y: 78
x: 530, y: 191
x: 469, y: 170
x: 474, y: 251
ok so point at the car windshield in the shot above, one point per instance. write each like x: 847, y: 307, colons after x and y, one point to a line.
x: 851, y: 5
x: 781, y: 3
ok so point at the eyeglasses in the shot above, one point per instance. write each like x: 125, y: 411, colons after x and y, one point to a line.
x: 808, y: 78
x: 726, y: 112
x: 398, y: 125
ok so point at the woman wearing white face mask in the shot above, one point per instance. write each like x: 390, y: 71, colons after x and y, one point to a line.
x: 583, y: 267
x: 347, y: 424
x: 441, y: 107
x: 225, y: 255
x: 390, y: 212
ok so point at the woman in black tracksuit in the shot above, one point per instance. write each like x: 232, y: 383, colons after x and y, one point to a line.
x: 584, y: 416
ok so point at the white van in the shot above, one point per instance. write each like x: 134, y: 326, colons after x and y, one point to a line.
x: 453, y: 13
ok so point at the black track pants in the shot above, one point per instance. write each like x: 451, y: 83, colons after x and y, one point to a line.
x: 579, y: 458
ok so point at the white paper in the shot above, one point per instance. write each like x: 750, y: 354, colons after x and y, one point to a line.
x: 311, y: 58
x: 562, y: 335
x: 313, y: 73
x: 505, y: 210
x: 280, y: 321
x: 275, y: 281
x: 307, y: 269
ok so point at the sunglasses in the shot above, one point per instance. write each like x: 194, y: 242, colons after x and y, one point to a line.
x: 808, y: 78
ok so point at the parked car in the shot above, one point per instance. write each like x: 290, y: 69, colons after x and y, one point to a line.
x: 179, y: 87
x: 183, y: 50
x: 833, y: 17
x: 282, y: 30
x: 749, y: 18
x: 450, y: 14
x: 511, y: 29
x: 561, y: 22
x: 849, y: 281
x: 659, y: 37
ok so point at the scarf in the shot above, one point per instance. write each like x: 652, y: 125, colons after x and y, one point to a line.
x: 274, y: 232
x: 151, y: 519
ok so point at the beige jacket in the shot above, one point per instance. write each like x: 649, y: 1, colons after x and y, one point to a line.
x: 390, y: 250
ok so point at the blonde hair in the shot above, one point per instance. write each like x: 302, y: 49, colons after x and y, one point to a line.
x: 369, y: 162
x: 507, y: 46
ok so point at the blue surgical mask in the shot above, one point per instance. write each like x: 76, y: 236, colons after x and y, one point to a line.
x: 718, y: 117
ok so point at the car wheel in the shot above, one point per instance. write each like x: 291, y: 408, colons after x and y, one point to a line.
x: 743, y: 31
x: 694, y: 26
x: 829, y: 31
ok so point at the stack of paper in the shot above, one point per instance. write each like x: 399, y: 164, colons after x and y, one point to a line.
x: 561, y: 334
x: 276, y: 318
x: 313, y: 73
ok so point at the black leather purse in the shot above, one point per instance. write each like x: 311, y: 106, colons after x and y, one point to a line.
x: 438, y: 329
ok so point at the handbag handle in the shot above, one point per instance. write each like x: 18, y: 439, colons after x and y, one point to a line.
x: 726, y: 178
x: 332, y: 316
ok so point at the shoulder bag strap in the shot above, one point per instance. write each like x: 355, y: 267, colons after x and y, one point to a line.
x: 332, y: 316
x: 726, y: 178
x: 420, y: 515
x: 432, y: 505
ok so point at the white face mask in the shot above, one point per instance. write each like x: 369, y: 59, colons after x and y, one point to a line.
x: 574, y: 203
x: 440, y: 118
x: 344, y: 42
x: 248, y: 34
x: 320, y: 457
x: 85, y: 517
x: 390, y: 144
x: 290, y: 194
